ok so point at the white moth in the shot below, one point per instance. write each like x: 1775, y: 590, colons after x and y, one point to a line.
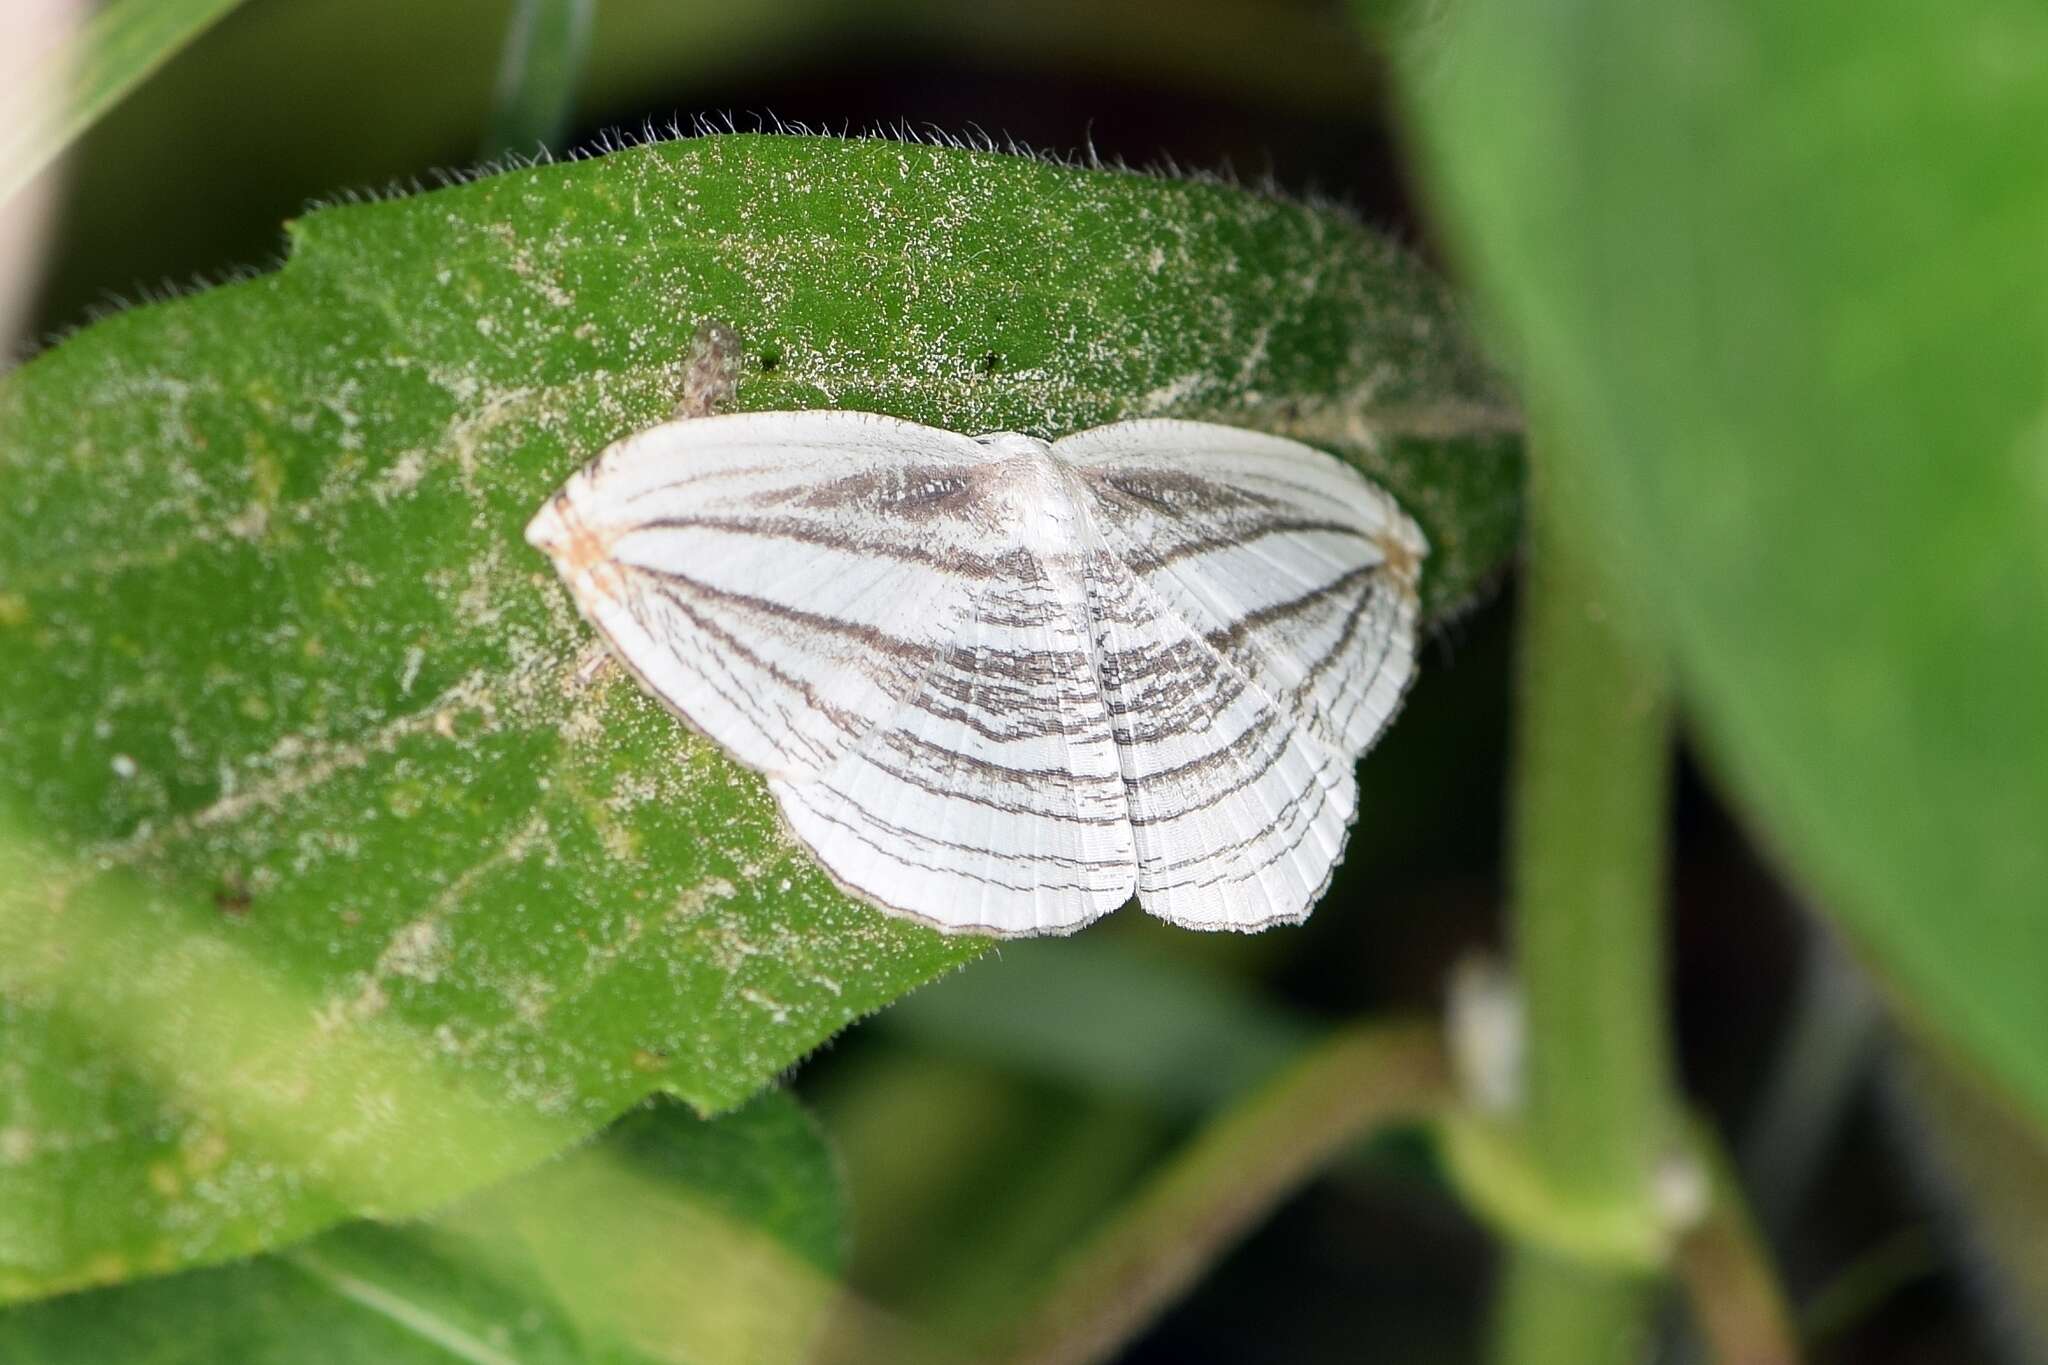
x: 999, y: 685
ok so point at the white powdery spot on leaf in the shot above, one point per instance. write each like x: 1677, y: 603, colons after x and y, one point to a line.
x: 418, y: 951
x: 17, y: 1146
x: 699, y: 899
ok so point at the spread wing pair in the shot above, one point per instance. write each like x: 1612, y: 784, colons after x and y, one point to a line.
x: 998, y: 685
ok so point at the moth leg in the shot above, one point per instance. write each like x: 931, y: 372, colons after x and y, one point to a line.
x: 595, y: 665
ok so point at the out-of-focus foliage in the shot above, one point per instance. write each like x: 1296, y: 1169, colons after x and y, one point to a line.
x: 1775, y: 270
x: 672, y: 1238
x: 116, y: 51
x: 538, y: 76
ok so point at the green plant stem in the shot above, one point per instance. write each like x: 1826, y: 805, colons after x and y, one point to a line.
x: 1589, y: 823
x: 546, y: 45
x: 1550, y: 1310
x: 1231, y: 1175
x: 1858, y: 1289
x: 1738, y: 1309
x: 1593, y: 766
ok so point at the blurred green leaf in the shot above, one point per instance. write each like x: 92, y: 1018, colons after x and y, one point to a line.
x: 116, y: 51
x: 1777, y: 271
x: 740, y: 1214
x: 297, y: 717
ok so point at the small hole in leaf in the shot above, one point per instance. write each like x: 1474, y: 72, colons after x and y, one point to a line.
x: 231, y: 897
x: 771, y: 359
x: 991, y: 362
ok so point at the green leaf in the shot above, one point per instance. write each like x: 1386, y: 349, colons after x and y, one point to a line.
x: 533, y: 1270
x: 1777, y: 271
x: 116, y: 51
x: 299, y: 728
